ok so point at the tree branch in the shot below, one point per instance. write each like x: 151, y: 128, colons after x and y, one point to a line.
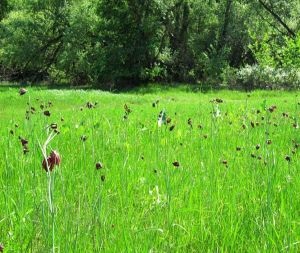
x: 276, y: 16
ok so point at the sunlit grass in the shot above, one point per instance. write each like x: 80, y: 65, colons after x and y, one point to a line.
x: 226, y: 195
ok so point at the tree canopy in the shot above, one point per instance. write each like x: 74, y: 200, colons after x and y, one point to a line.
x: 119, y: 42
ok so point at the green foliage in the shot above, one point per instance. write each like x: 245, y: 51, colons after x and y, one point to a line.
x: 3, y: 8
x: 113, y: 43
x: 259, y: 77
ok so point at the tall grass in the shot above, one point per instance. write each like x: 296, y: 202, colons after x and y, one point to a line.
x: 225, y: 196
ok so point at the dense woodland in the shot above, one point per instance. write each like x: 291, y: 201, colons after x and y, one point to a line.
x: 113, y: 43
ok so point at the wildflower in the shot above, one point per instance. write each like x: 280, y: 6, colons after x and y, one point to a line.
x: 52, y: 160
x: 90, y: 105
x: 161, y: 118
x: 176, y: 164
x: 47, y: 113
x: 287, y: 158
x: 272, y: 108
x: 53, y: 126
x: 190, y: 123
x: 172, y: 127
x: 99, y: 165
x: 22, y: 91
x: 83, y: 138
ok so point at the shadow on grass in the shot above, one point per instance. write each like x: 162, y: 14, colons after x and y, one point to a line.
x: 149, y: 88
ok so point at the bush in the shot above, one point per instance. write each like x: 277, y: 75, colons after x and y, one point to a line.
x: 255, y: 76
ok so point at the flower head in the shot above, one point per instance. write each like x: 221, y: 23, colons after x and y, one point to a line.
x: 52, y: 160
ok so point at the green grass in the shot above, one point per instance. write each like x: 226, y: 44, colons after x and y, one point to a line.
x: 145, y: 204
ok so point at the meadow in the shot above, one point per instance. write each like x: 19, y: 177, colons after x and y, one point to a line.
x: 219, y: 171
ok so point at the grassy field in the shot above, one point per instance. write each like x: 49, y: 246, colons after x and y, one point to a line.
x: 220, y: 176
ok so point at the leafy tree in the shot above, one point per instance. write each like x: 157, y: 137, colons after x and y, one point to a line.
x: 129, y: 38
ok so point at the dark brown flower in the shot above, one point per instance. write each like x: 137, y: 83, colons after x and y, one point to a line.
x: 52, y: 160
x: 269, y: 142
x: 22, y: 91
x: 295, y: 125
x: 238, y: 148
x: 55, y: 157
x: 23, y: 141
x: 272, y: 108
x: 47, y: 113
x: 53, y: 126
x: 288, y: 158
x: 172, y: 127
x: 102, y: 178
x: 90, y: 105
x: 127, y: 109
x: 99, y: 165
x: 257, y: 147
x: 190, y: 123
x: 83, y: 138
x: 176, y: 164
x: 225, y: 162
x: 284, y: 114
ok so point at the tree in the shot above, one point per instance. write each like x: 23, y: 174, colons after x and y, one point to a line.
x: 3, y: 8
x: 128, y: 36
